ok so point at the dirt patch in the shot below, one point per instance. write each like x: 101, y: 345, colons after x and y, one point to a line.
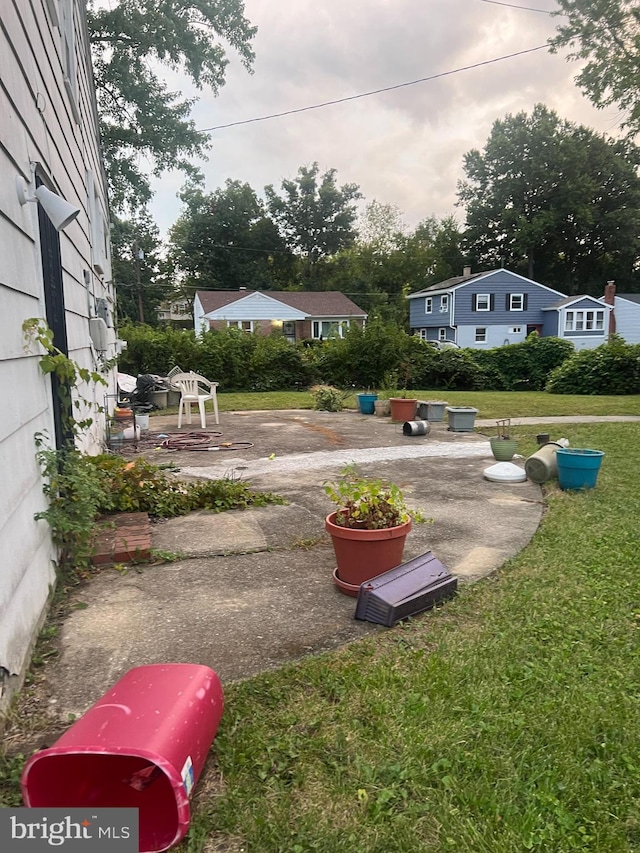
x: 334, y: 438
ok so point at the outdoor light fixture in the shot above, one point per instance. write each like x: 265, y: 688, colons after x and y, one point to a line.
x: 59, y: 211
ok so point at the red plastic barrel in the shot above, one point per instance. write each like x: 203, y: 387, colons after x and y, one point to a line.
x: 143, y: 745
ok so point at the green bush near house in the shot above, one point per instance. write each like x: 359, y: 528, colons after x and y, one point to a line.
x: 243, y: 361
x: 524, y: 366
x: 613, y: 368
x: 152, y: 350
x: 80, y: 488
x: 453, y: 369
x: 363, y: 356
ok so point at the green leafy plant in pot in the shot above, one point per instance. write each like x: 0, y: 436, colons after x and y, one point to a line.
x: 369, y: 528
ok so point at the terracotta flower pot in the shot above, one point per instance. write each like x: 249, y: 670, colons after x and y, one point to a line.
x: 365, y: 554
x: 402, y: 409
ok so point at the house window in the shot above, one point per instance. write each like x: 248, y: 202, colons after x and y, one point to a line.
x: 483, y: 302
x: 516, y: 302
x: 323, y: 329
x: 481, y: 335
x: 594, y: 320
x: 579, y: 321
x: 244, y: 325
x: 444, y: 303
x: 442, y: 334
x: 428, y: 305
x: 568, y: 321
x: 515, y: 330
x: 422, y: 334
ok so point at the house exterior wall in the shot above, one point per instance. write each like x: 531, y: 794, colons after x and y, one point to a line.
x: 421, y: 318
x: 495, y: 336
x: 49, y: 129
x: 199, y: 323
x: 583, y: 338
x: 438, y: 333
x: 627, y: 315
x: 500, y: 320
x: 550, y: 324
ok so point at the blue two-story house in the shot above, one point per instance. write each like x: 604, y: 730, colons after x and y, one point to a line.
x: 491, y: 309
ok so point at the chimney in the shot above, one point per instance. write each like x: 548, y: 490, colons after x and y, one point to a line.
x: 610, y: 299
x: 466, y: 272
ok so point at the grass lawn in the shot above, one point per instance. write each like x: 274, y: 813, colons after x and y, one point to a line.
x: 508, y: 720
x: 490, y: 404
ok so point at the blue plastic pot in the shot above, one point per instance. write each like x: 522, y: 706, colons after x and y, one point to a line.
x: 365, y: 402
x: 578, y: 469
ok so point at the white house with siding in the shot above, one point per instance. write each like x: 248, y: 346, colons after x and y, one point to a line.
x: 49, y: 143
x: 625, y: 316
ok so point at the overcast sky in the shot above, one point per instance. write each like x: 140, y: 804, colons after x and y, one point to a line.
x: 403, y: 147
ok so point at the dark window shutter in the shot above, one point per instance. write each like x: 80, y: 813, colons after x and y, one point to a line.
x: 474, y: 302
x: 492, y: 302
x: 507, y: 301
x: 525, y: 299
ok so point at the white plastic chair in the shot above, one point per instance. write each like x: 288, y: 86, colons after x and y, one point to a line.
x: 191, y: 390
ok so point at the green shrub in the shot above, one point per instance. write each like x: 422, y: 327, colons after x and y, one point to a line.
x: 80, y: 488
x: 326, y: 398
x: 612, y: 368
x: 363, y: 356
x: 451, y: 370
x: 139, y: 486
x: 524, y: 366
x: 278, y: 365
x: 225, y: 357
x: 74, y: 489
x: 151, y: 350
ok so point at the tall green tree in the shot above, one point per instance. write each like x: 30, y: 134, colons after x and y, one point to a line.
x: 381, y: 226
x: 554, y: 201
x: 386, y: 264
x: 137, y: 268
x: 315, y: 216
x: 224, y: 240
x: 605, y: 36
x: 140, y: 118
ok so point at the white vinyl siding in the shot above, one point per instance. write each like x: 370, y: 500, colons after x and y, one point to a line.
x: 40, y: 136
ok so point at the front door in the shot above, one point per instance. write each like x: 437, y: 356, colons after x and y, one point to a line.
x: 55, y: 314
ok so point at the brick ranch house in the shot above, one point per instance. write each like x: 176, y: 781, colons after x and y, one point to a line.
x: 299, y: 315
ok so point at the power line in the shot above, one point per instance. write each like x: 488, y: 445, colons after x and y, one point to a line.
x: 513, y: 6
x: 376, y: 91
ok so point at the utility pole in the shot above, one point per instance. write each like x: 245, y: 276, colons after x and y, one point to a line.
x: 138, y: 255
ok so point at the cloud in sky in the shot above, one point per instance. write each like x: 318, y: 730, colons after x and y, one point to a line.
x: 403, y: 147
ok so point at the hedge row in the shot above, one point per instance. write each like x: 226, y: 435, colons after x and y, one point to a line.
x: 381, y: 355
